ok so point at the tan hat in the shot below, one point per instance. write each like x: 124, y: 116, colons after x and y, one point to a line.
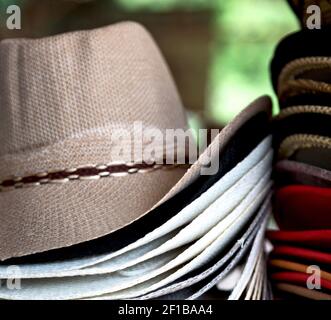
x: 61, y: 99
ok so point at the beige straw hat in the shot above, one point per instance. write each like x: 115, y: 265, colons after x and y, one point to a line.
x: 61, y: 99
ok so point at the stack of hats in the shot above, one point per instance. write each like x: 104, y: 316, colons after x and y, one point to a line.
x: 81, y: 217
x: 300, y: 263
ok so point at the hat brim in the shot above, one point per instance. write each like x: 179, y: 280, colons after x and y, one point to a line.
x: 297, y: 278
x: 292, y: 172
x: 317, y: 239
x: 185, y: 227
x: 52, y: 216
x: 35, y: 220
x: 80, y: 287
x: 235, y: 253
x: 302, y: 291
x: 301, y: 254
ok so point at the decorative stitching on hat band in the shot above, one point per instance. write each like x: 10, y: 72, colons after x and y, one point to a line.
x: 87, y: 172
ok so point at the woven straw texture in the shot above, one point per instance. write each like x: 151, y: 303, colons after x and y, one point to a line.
x: 61, y: 98
x: 289, y: 111
x: 300, y: 86
x: 302, y: 141
x: 56, y: 90
x: 298, y: 67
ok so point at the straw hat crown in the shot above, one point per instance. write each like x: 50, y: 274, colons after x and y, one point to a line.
x: 81, y: 84
x: 61, y: 99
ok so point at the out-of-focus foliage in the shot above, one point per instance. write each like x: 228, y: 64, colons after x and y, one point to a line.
x: 246, y: 33
x: 166, y: 5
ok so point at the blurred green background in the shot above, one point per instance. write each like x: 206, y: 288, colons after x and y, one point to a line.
x: 246, y: 32
x: 218, y: 50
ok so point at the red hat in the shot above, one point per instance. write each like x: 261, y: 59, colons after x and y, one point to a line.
x: 300, y: 207
x: 318, y: 239
x: 315, y: 256
x: 298, y: 278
